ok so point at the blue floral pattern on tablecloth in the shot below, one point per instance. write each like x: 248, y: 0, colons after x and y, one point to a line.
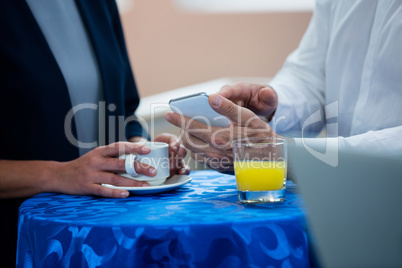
x: 201, y: 224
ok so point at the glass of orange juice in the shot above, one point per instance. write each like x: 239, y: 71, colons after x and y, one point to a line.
x: 260, y: 167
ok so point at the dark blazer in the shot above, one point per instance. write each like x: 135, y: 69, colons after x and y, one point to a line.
x: 34, y: 99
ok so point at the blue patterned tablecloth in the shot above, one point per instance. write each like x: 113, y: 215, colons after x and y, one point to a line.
x: 201, y: 224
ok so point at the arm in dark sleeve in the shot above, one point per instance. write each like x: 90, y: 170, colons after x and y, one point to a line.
x: 134, y: 127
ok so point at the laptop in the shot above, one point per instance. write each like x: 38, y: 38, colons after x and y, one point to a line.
x: 353, y: 210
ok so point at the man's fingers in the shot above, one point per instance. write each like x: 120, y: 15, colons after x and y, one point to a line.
x: 176, y: 119
x: 229, y: 92
x: 240, y: 92
x: 268, y: 96
x: 259, y: 98
x: 191, y: 126
x: 194, y: 144
x: 241, y: 116
x: 185, y: 123
x: 266, y: 101
x: 199, y: 157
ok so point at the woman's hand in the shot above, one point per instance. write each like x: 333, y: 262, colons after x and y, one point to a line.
x: 177, y: 152
x: 86, y: 174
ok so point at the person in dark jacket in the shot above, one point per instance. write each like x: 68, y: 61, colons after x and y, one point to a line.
x: 67, y: 106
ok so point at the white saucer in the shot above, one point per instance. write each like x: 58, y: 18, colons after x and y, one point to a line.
x: 170, y: 184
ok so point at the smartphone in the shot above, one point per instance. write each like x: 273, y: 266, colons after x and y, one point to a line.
x: 196, y: 106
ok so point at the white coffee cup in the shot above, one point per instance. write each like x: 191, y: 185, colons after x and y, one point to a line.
x: 157, y: 158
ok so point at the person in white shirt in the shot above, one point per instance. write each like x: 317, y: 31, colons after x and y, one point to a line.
x: 346, y: 75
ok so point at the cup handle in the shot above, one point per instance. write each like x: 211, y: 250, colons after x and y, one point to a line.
x: 129, y: 164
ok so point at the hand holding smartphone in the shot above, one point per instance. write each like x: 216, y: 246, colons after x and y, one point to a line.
x: 196, y: 106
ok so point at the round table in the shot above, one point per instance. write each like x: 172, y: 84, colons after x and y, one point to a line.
x: 201, y: 224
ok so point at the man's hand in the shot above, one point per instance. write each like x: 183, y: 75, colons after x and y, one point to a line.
x: 177, y: 152
x: 213, y: 145
x: 260, y: 99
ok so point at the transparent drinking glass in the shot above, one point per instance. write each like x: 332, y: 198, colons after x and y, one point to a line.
x: 260, y: 167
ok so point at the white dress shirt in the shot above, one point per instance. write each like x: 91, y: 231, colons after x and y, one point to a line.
x: 346, y: 75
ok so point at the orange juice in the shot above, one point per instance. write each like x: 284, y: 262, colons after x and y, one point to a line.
x: 260, y: 175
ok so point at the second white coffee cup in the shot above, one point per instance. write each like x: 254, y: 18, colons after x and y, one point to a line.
x: 157, y: 158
